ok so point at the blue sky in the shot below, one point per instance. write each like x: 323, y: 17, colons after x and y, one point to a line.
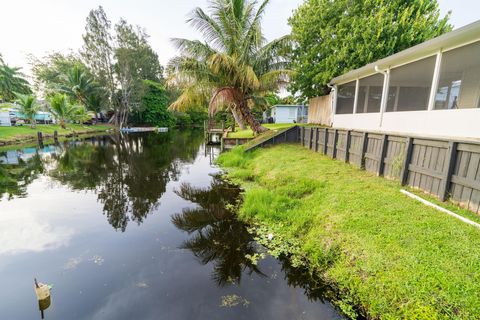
x: 41, y: 26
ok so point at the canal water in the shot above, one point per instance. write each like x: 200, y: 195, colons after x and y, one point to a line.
x: 135, y: 227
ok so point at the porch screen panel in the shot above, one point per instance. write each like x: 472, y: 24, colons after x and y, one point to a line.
x: 459, y: 81
x: 370, y: 94
x: 410, y: 85
x: 346, y: 98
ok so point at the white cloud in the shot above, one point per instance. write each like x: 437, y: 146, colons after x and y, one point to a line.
x: 25, y: 233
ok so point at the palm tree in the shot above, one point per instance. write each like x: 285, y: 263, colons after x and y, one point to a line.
x: 62, y: 109
x: 27, y: 105
x: 12, y: 81
x: 235, y: 67
x: 81, y: 114
x: 77, y: 84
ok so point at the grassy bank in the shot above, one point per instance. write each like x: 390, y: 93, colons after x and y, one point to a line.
x: 389, y: 255
x: 248, y: 133
x: 15, y: 135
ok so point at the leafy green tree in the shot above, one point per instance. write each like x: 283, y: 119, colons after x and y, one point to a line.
x: 135, y: 61
x: 235, y: 66
x: 67, y: 74
x: 154, y: 106
x: 120, y: 58
x: 98, y: 54
x: 27, y: 105
x: 49, y: 72
x: 334, y: 37
x: 62, y: 109
x: 12, y: 81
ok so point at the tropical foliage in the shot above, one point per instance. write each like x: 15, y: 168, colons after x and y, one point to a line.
x: 64, y: 110
x: 57, y: 73
x: 234, y: 67
x: 77, y: 84
x: 153, y: 106
x: 12, y: 81
x: 333, y: 37
x: 27, y: 105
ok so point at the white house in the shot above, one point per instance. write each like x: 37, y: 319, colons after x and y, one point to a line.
x: 289, y: 113
x: 5, y: 119
x: 431, y: 89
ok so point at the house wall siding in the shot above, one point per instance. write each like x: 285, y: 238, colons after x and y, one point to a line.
x: 461, y: 123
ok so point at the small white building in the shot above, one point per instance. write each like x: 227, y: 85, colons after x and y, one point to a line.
x: 5, y: 119
x: 289, y: 113
x: 432, y: 89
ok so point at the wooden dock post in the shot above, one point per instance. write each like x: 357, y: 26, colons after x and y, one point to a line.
x: 40, y: 139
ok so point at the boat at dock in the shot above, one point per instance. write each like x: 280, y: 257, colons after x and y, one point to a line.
x: 144, y: 129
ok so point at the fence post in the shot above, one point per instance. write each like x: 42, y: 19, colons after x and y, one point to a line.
x: 364, y: 150
x: 310, y: 140
x: 406, y: 161
x: 316, y: 139
x: 450, y: 164
x: 383, y: 154
x: 325, y: 141
x: 55, y: 136
x: 335, y: 138
x: 347, y: 145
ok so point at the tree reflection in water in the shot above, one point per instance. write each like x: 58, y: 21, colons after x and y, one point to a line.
x: 129, y: 173
x: 217, y: 235
x: 15, y: 177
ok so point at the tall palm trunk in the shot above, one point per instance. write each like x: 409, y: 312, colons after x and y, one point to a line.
x: 238, y: 119
x: 246, y: 114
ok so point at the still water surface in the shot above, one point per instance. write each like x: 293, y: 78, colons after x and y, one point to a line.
x: 135, y: 227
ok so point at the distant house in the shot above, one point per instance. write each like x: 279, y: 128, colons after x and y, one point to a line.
x: 431, y: 89
x: 289, y: 114
x: 5, y: 119
x: 42, y: 117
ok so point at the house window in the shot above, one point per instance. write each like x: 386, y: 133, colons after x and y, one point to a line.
x: 346, y: 98
x: 410, y: 86
x: 459, y: 81
x: 370, y: 94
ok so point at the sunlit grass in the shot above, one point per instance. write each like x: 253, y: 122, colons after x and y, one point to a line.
x: 248, y: 133
x: 396, y: 258
x: 9, y: 134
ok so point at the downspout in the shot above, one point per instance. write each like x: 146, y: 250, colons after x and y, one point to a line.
x: 386, y: 80
x: 334, y: 103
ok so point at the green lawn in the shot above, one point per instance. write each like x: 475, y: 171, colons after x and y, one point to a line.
x: 248, y: 133
x: 388, y: 254
x: 24, y: 133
